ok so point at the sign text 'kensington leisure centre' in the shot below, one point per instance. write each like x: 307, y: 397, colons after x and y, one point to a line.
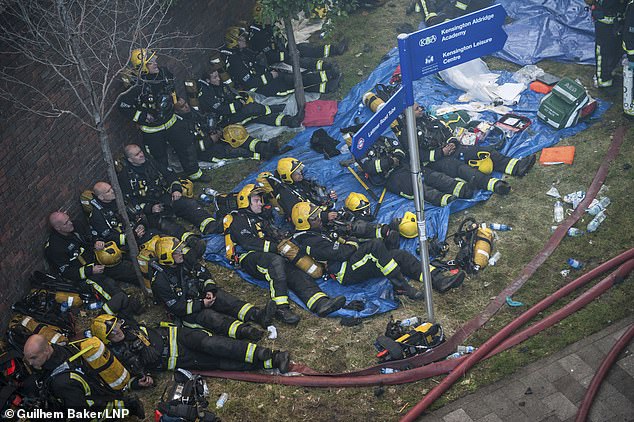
x: 434, y: 49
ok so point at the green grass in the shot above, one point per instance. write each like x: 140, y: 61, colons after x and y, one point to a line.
x: 327, y: 346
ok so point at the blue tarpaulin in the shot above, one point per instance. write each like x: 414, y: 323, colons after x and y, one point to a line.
x: 429, y: 91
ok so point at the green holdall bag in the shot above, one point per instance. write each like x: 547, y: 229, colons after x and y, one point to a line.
x: 564, y: 105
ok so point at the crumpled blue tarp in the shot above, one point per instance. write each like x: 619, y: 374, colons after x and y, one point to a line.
x: 429, y: 91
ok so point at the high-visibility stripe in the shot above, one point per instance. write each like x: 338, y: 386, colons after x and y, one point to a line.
x: 342, y: 272
x: 192, y: 325
x: 264, y: 80
x: 511, y: 165
x: 282, y: 56
x: 154, y: 129
x: 205, y: 222
x: 445, y: 199
x: 136, y: 116
x: 267, y: 110
x: 377, y: 166
x: 173, y: 347
x: 189, y: 307
x: 319, y: 65
x: 377, y: 232
x: 326, y: 50
x: 322, y: 76
x: 253, y: 144
x: 268, y: 364
x: 314, y: 298
x: 99, y: 289
x: 391, y: 266
x: 628, y: 52
x: 196, y: 175
x: 232, y: 108
x: 84, y: 384
x: 121, y: 380
x: 279, y: 300
x: 460, y: 5
x: 278, y: 119
x: 322, y: 88
x: 256, y: 155
x: 243, y: 311
x: 250, y: 354
x: 458, y: 188
x: 233, y: 328
x: 107, y: 309
x: 97, y: 354
x: 491, y: 184
x: 432, y: 155
x: 82, y: 272
x: 267, y: 246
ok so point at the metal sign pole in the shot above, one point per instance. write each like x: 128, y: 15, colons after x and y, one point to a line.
x: 417, y: 175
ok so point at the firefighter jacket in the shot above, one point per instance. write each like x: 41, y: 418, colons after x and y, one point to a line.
x: 142, y: 349
x: 181, y: 289
x: 288, y: 195
x: 106, y: 223
x: 628, y: 31
x: 608, y: 11
x: 325, y: 249
x: 432, y: 135
x: 382, y: 159
x: 150, y: 102
x: 253, y: 232
x: 73, y: 387
x: 72, y: 255
x: 219, y: 99
x: 147, y: 184
x: 245, y: 72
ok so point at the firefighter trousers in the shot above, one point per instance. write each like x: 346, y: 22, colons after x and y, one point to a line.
x: 115, y: 301
x: 281, y: 276
x: 438, y: 188
x: 607, y: 51
x: 501, y: 162
x: 225, y: 317
x: 180, y: 138
x: 456, y: 168
x: 270, y: 115
x: 372, y: 259
x: 190, y: 210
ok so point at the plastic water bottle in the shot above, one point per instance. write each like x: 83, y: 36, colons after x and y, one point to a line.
x: 389, y: 370
x: 577, y: 265
x: 465, y: 349
x: 64, y: 307
x: 559, y: 212
x: 575, y: 232
x: 207, y: 199
x: 596, y: 222
x: 94, y: 305
x: 495, y: 258
x: 87, y: 333
x: 409, y: 322
x: 222, y: 400
x: 454, y: 355
x: 599, y: 206
x: 500, y: 227
x: 211, y: 192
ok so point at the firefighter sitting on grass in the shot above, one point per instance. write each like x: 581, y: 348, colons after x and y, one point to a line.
x: 142, y: 349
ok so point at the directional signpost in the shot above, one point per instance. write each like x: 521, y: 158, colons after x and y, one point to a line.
x: 423, y: 53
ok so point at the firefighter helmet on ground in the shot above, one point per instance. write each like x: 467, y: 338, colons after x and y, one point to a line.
x: 408, y: 227
x: 356, y: 202
x: 235, y: 135
x: 287, y: 166
x: 484, y: 163
x: 245, y: 193
x: 140, y: 57
x: 302, y: 213
x: 165, y: 249
x: 102, y: 326
x: 188, y: 188
x: 110, y: 255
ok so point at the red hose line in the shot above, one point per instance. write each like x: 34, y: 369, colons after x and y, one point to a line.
x: 607, y: 363
x: 497, y: 338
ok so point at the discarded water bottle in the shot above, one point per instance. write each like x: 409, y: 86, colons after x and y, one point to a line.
x: 596, y: 222
x: 222, y: 400
x: 409, y: 322
x: 211, y: 192
x: 207, y: 199
x: 454, y: 355
x: 495, y: 258
x: 64, y: 307
x: 577, y: 265
x: 575, y: 232
x: 389, y: 370
x: 500, y: 227
x: 599, y: 206
x: 465, y: 349
x: 94, y: 305
x: 87, y: 333
x: 559, y: 212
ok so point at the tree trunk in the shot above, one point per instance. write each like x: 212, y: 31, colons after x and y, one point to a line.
x: 133, y: 248
x: 297, y: 72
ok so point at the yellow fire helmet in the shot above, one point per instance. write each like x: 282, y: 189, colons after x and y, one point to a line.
x: 165, y: 248
x: 407, y: 226
x: 188, y: 188
x: 232, y: 36
x: 139, y: 58
x: 235, y: 135
x: 245, y: 193
x: 301, y: 214
x: 110, y: 255
x: 356, y: 202
x: 102, y: 326
x: 287, y: 166
x: 484, y: 163
x: 262, y: 181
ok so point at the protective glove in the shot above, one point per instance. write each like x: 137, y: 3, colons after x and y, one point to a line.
x: 149, y: 356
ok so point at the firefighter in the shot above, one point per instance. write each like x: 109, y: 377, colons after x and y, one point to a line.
x: 231, y: 106
x: 150, y: 104
x: 158, y: 192
x: 608, y: 25
x: 441, y: 152
x: 191, y: 294
x: 70, y: 385
x: 628, y: 46
x: 251, y: 242
x: 72, y: 254
x: 349, y: 261
x: 142, y: 347
x: 249, y: 75
x: 296, y: 188
x: 387, y: 164
x: 439, y: 11
x: 352, y: 262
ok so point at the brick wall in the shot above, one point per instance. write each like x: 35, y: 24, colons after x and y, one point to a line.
x: 46, y: 162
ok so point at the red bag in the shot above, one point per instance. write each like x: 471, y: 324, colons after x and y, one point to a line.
x: 320, y: 113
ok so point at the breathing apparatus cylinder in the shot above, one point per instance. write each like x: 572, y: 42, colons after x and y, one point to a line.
x: 109, y: 368
x: 52, y: 333
x: 374, y: 103
x: 482, y: 247
x: 306, y: 263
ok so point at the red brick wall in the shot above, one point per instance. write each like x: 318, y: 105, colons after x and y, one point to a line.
x: 46, y: 162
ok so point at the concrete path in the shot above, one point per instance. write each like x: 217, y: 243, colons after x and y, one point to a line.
x: 551, y: 389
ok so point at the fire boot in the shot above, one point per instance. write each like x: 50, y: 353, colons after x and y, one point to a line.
x: 402, y: 287
x: 286, y: 315
x: 326, y: 305
x: 282, y: 361
x: 524, y: 165
x: 443, y: 280
x: 246, y: 331
x: 501, y: 187
x: 264, y: 317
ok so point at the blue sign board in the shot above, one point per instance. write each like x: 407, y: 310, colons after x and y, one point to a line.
x: 431, y: 50
x: 378, y: 123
